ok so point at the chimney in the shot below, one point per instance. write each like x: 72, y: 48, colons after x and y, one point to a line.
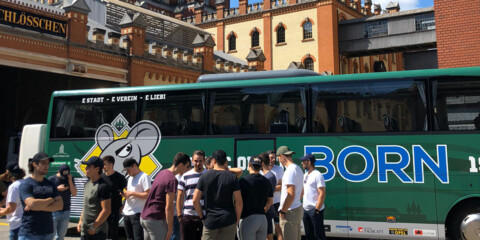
x: 220, y: 9
x: 377, y: 9
x: 178, y: 12
x: 255, y: 59
x: 133, y: 26
x: 203, y: 44
x: 267, y: 4
x: 114, y: 38
x: 242, y: 6
x: 77, y: 13
x: 368, y: 7
x: 98, y: 35
x: 393, y: 7
x: 198, y: 12
x: 358, y: 5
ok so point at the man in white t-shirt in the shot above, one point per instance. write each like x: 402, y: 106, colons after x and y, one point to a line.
x: 313, y: 199
x: 290, y: 210
x: 14, y: 208
x: 138, y: 187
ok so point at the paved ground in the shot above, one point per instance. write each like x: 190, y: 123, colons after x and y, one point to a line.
x: 71, y: 234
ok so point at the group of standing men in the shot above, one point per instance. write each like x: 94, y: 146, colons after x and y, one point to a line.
x: 210, y: 204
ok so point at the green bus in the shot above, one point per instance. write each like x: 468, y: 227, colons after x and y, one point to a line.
x: 400, y: 151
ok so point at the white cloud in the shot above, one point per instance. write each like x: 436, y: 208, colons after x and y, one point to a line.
x: 404, y: 4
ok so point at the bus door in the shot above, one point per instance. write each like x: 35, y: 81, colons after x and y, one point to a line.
x: 246, y: 148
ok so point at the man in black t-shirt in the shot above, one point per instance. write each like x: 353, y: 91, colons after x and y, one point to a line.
x: 39, y: 198
x: 96, y: 203
x: 257, y: 196
x: 117, y: 183
x: 222, y: 200
x: 63, y: 180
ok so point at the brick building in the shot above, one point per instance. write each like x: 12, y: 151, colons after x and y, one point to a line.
x: 458, y: 33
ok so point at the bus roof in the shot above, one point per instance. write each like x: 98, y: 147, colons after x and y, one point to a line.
x: 468, y: 71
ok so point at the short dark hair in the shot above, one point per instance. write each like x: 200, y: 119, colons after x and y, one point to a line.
x: 270, y: 152
x: 109, y: 159
x: 263, y: 155
x: 181, y: 158
x: 100, y: 169
x: 265, y: 160
x: 220, y: 156
x: 30, y: 167
x: 208, y: 160
x: 200, y: 153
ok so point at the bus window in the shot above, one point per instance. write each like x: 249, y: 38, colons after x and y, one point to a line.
x: 376, y: 106
x: 252, y: 110
x: 457, y: 104
x: 80, y: 117
x: 175, y: 113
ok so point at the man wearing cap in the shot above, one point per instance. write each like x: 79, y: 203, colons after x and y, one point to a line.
x: 14, y: 209
x: 39, y: 198
x: 96, y: 203
x: 222, y: 200
x: 313, y: 199
x: 66, y: 188
x: 257, y: 196
x: 157, y: 215
x: 290, y: 210
x: 138, y: 187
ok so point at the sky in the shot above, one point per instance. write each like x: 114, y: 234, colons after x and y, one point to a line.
x: 404, y: 4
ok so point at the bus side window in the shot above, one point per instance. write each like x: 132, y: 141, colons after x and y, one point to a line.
x: 373, y: 106
x: 74, y: 118
x: 457, y: 104
x: 258, y: 110
x: 176, y: 112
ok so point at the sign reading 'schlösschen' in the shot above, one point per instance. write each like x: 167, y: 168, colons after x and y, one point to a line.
x: 32, y: 21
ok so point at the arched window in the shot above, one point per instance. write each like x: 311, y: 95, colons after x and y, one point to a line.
x: 281, y: 35
x: 307, y: 30
x: 232, y: 43
x: 255, y: 39
x: 308, y: 63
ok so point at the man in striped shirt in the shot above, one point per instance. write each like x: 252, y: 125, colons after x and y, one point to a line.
x: 190, y: 224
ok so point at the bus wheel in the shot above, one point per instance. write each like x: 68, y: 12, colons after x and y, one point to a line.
x: 465, y: 224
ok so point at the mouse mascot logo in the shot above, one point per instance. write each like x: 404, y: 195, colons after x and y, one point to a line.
x: 122, y: 142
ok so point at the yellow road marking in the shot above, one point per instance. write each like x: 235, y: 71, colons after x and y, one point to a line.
x: 4, y: 224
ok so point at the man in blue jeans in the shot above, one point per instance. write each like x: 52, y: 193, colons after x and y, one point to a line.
x: 66, y: 188
x: 39, y: 199
x: 313, y: 199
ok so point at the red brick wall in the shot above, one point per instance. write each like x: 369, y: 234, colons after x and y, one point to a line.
x: 458, y: 33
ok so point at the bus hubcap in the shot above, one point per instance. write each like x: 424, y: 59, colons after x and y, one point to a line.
x: 471, y: 227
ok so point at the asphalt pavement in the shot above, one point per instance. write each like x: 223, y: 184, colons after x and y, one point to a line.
x: 72, y: 231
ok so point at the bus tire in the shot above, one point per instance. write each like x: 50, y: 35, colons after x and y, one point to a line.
x: 462, y: 220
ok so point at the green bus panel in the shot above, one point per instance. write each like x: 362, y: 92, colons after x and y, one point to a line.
x: 411, y: 201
